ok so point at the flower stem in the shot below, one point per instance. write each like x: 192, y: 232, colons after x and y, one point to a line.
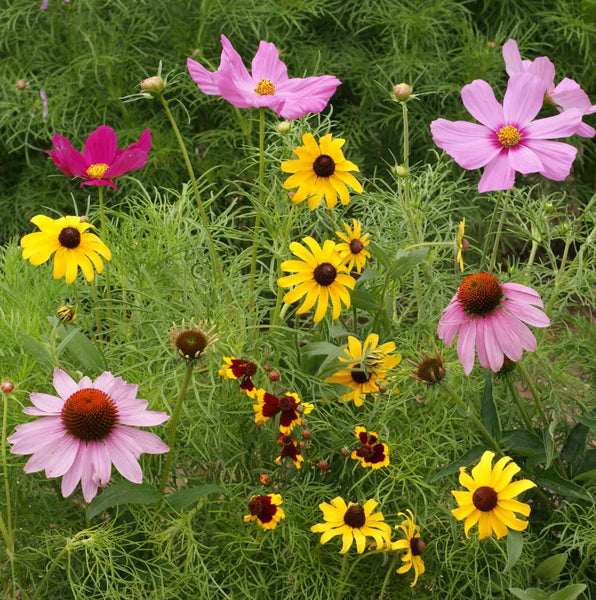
x: 490, y: 228
x: 386, y: 580
x: 559, y: 276
x: 96, y: 305
x: 173, y: 424
x: 468, y: 410
x: 342, y: 577
x: 104, y: 237
x: 518, y: 401
x: 255, y: 241
x: 49, y: 572
x: 493, y: 258
x: 534, y: 392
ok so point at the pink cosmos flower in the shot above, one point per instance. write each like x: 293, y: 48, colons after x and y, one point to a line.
x: 44, y: 4
x: 488, y: 317
x: 567, y: 94
x: 81, y: 432
x: 101, y: 161
x: 508, y: 140
x: 269, y: 84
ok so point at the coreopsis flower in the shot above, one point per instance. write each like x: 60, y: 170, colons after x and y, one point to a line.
x: 83, y: 431
x: 268, y: 85
x: 234, y: 368
x: 371, y: 453
x: 101, y: 161
x: 321, y: 171
x: 366, y: 368
x: 565, y: 95
x: 265, y: 510
x: 508, y: 139
x: 192, y: 341
x: 489, y: 318
x: 490, y: 499
x: 430, y: 369
x: 73, y: 246
x: 320, y: 275
x: 289, y: 406
x: 354, y: 523
x: 353, y: 248
x: 413, y: 546
x: 462, y: 244
x: 290, y: 448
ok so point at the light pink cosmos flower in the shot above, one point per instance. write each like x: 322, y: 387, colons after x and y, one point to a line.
x: 44, y: 4
x: 268, y: 86
x: 81, y: 432
x: 567, y: 94
x: 489, y: 317
x: 101, y: 161
x: 44, y: 105
x: 508, y: 140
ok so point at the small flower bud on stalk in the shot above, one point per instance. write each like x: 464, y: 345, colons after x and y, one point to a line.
x: 402, y: 91
x: 323, y: 465
x: 153, y: 84
x: 306, y: 434
x: 267, y: 367
x: 265, y: 479
x: 344, y: 451
x: 274, y: 376
x: 21, y: 84
x: 7, y: 386
x: 401, y: 170
x: 284, y: 127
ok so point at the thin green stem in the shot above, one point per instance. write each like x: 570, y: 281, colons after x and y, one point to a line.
x: 96, y: 310
x: 493, y: 258
x: 87, y: 326
x: 342, y: 577
x: 173, y: 424
x: 559, y: 276
x: 387, y: 576
x: 469, y: 411
x: 534, y: 392
x: 519, y: 402
x: 104, y: 237
x: 490, y: 229
x: 49, y: 572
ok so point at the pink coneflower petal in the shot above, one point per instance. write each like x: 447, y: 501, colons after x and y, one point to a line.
x: 527, y: 313
x: 72, y: 477
x: 145, y: 441
x: 100, y: 146
x: 100, y: 458
x: 508, y: 338
x: 64, y: 384
x: 89, y: 480
x: 526, y: 338
x: 481, y: 348
x: 498, y: 174
x: 465, y: 345
x: 494, y: 352
x: 517, y: 291
x: 63, y: 455
x: 125, y: 462
x: 479, y: 99
x: 50, y: 405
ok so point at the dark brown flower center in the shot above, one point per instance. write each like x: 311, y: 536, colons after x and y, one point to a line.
x: 355, y: 516
x: 485, y: 498
x: 366, y: 451
x: 324, y: 166
x: 191, y: 343
x: 89, y: 415
x: 431, y: 370
x: 286, y: 403
x: 287, y: 440
x: 70, y: 237
x: 325, y: 274
x: 356, y: 246
x: 360, y: 376
x: 417, y: 546
x: 255, y: 506
x: 250, y: 369
x: 480, y: 294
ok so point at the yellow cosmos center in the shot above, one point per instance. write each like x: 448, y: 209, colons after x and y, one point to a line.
x: 265, y: 87
x: 97, y: 170
x: 509, y: 136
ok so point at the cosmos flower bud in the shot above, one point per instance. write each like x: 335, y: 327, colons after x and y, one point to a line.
x: 153, y: 84
x: 400, y: 170
x: 284, y: 127
x: 402, y: 91
x: 7, y: 386
x: 21, y: 84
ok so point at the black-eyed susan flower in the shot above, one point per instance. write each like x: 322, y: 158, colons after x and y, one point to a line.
x: 353, y: 249
x: 354, y: 523
x: 366, y: 369
x: 430, y: 369
x: 265, y: 510
x: 321, y: 171
x: 290, y: 448
x: 234, y: 368
x: 320, y: 275
x: 74, y: 247
x: 67, y: 313
x: 192, y: 341
x: 290, y: 407
x: 462, y: 244
x: 413, y: 546
x: 371, y: 453
x: 489, y: 500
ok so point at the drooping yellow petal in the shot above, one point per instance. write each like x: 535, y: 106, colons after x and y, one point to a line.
x: 484, y: 527
x: 322, y: 304
x: 515, y: 488
x: 482, y: 471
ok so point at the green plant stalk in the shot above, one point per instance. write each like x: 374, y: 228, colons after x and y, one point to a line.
x: 518, y: 401
x: 104, y: 238
x: 7, y: 529
x: 386, y: 580
x: 195, y: 189
x: 490, y: 229
x: 49, y: 572
x: 468, y: 409
x: 493, y: 258
x: 534, y: 392
x: 255, y: 241
x: 173, y: 424
x: 559, y: 277
x: 96, y: 305
x: 342, y: 577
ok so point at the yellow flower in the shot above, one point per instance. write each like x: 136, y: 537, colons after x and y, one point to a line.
x: 320, y: 275
x: 413, y: 545
x: 265, y: 510
x: 353, y: 250
x: 371, y: 453
x: 489, y: 500
x: 73, y: 247
x: 67, y: 313
x: 352, y: 522
x: 321, y: 171
x: 460, y: 244
x: 367, y: 367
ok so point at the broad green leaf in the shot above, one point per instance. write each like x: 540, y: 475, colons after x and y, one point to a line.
x: 571, y: 592
x: 515, y: 543
x: 488, y: 410
x: 529, y: 594
x: 380, y: 254
x: 522, y: 442
x: 574, y: 450
x: 551, y: 567
x: 549, y: 443
x: 468, y: 459
x: 39, y: 351
x: 182, y: 498
x: 550, y: 479
x: 367, y: 275
x: 588, y: 421
x: 364, y: 300
x: 318, y: 348
x: 124, y: 492
x: 405, y: 261
x: 80, y: 347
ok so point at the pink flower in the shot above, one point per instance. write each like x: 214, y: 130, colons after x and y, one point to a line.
x: 567, y: 94
x: 488, y: 317
x: 101, y: 161
x: 508, y: 140
x: 44, y: 105
x: 81, y: 432
x: 268, y: 85
x: 44, y: 4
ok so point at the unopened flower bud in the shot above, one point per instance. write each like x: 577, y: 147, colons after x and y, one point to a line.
x: 402, y: 91
x: 491, y: 44
x: 306, y: 434
x: 301, y: 445
x: 400, y: 170
x: 152, y: 84
x: 265, y: 479
x: 259, y: 424
x: 67, y: 313
x: 549, y: 207
x: 274, y: 376
x: 464, y: 244
x: 284, y: 127
x: 344, y: 451
x: 7, y: 386
x: 323, y: 465
x: 21, y: 84
x: 267, y: 367
x: 84, y: 219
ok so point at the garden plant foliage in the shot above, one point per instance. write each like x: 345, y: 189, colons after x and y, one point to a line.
x: 271, y: 420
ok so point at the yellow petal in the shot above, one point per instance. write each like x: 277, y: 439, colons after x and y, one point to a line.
x: 482, y: 471
x: 484, y: 528
x: 515, y: 506
x: 295, y: 166
x: 497, y: 525
x: 299, y: 291
x: 515, y: 488
x: 59, y: 263
x: 471, y: 520
x: 322, y: 304
x: 350, y: 180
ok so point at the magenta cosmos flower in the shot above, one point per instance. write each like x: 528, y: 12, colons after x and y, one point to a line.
x: 268, y: 85
x: 567, y: 94
x: 488, y: 317
x: 101, y: 161
x: 508, y: 140
x: 81, y: 432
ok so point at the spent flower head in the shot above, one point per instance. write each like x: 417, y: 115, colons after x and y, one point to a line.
x: 192, y: 341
